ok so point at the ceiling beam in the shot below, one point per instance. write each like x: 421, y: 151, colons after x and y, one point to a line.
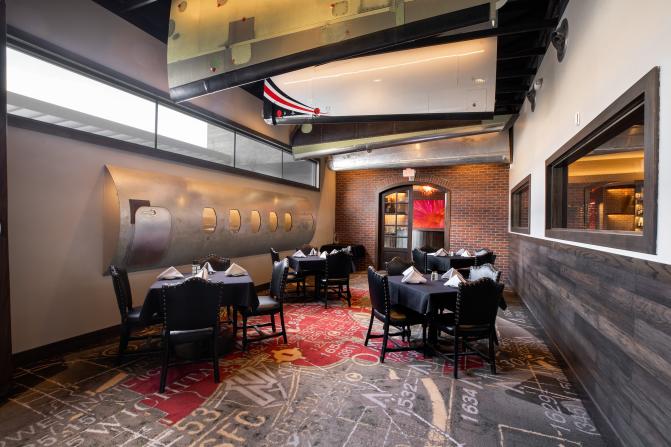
x: 513, y: 74
x: 131, y: 6
x: 531, y: 52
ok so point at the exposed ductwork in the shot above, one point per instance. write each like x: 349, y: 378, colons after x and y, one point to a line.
x: 491, y: 147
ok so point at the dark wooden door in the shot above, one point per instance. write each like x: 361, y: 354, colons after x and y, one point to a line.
x: 5, y: 327
x: 395, y: 224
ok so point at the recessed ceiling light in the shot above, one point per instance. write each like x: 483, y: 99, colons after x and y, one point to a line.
x: 479, y: 81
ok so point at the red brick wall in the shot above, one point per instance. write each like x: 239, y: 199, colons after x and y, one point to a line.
x: 478, y: 206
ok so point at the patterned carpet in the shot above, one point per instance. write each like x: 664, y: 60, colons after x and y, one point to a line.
x: 323, y: 388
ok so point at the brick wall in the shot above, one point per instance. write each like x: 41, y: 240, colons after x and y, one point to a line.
x: 478, y: 206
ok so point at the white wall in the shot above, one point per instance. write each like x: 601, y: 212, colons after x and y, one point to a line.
x: 55, y: 184
x: 612, y: 44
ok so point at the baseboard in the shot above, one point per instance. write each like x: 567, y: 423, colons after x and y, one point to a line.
x: 609, y: 435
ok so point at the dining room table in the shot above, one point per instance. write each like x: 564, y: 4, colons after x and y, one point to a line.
x: 240, y: 289
x: 309, y: 265
x: 442, y: 264
x: 427, y: 299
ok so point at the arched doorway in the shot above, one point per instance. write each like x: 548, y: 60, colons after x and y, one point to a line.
x: 414, y: 215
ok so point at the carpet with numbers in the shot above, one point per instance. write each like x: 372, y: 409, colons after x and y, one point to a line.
x: 322, y: 388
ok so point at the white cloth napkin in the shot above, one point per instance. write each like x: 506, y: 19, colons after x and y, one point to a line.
x: 209, y: 268
x: 453, y: 277
x: 170, y: 273
x: 414, y: 277
x: 409, y: 270
x: 334, y: 251
x: 299, y: 254
x: 202, y: 273
x: 236, y: 270
x: 460, y: 251
x: 481, y: 252
x: 465, y: 254
x: 440, y: 252
x: 323, y: 255
x: 314, y: 252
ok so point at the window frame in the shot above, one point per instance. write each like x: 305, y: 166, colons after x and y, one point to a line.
x: 556, y: 168
x: 52, y: 54
x: 514, y: 211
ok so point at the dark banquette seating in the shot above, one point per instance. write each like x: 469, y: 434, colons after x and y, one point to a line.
x: 396, y: 316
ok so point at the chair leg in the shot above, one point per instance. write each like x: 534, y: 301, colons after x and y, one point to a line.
x: 244, y: 333
x: 164, y: 366
x: 215, y: 356
x: 235, y: 322
x: 492, y: 354
x: 370, y: 328
x: 424, y: 347
x: 456, y: 356
x: 385, y: 337
x: 349, y: 295
x: 123, y: 343
x: 272, y: 322
x: 326, y: 295
x: 284, y: 329
x: 496, y: 337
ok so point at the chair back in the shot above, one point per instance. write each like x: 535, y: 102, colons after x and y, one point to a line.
x: 477, y: 303
x: 193, y: 304
x: 274, y: 255
x: 421, y: 260
x: 338, y: 265
x: 217, y: 262
x: 486, y: 257
x: 378, y: 289
x: 124, y: 297
x: 396, y: 266
x: 484, y: 271
x: 278, y: 280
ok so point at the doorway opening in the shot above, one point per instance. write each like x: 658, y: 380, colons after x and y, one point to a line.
x: 412, y: 216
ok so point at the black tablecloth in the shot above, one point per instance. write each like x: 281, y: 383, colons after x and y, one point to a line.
x: 423, y: 298
x: 308, y: 264
x: 239, y: 288
x: 444, y: 263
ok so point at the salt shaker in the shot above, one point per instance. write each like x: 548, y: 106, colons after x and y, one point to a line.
x: 434, y: 276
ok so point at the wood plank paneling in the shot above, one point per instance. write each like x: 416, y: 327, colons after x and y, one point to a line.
x: 610, y: 316
x: 5, y: 326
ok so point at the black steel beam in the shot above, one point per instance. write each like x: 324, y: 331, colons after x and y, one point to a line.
x: 531, y: 52
x: 137, y: 4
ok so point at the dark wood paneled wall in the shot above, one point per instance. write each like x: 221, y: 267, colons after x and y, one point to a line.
x: 5, y: 327
x: 610, y: 316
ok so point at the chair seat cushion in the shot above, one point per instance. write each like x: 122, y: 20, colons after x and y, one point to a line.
x: 402, y: 315
x: 334, y: 280
x: 446, y: 323
x: 191, y: 335
x: 267, y: 303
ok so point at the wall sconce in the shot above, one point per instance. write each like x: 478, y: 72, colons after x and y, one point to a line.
x: 558, y: 39
x: 531, y: 94
x: 409, y: 173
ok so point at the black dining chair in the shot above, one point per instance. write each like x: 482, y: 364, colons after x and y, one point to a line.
x: 130, y: 316
x: 293, y: 277
x: 336, y: 277
x: 474, y: 319
x: 484, y: 256
x: 396, y: 316
x: 396, y: 266
x: 421, y: 260
x: 217, y: 262
x: 268, y: 306
x: 190, y: 314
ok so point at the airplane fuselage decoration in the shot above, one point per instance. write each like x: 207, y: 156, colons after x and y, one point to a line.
x: 154, y: 220
x: 218, y: 44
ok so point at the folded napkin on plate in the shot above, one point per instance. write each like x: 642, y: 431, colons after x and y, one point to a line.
x: 170, y: 273
x: 460, y: 251
x: 209, y: 268
x: 202, y: 274
x: 236, y: 270
x: 409, y: 270
x: 299, y: 254
x: 334, y: 251
x: 440, y: 252
x: 481, y: 252
x: 323, y: 255
x: 413, y: 277
x: 465, y: 253
x: 453, y: 277
x: 314, y: 252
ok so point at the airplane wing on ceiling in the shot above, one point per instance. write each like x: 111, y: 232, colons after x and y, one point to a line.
x: 218, y: 44
x: 448, y: 81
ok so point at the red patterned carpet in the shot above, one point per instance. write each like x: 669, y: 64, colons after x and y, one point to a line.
x: 322, y: 388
